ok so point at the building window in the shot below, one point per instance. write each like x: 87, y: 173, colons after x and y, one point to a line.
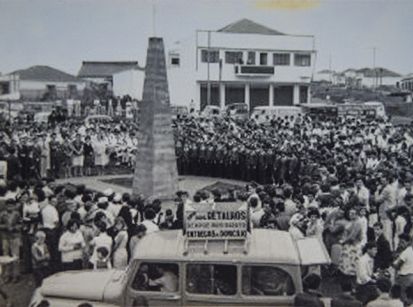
x: 233, y: 57
x: 251, y: 58
x: 174, y: 59
x: 51, y: 92
x: 281, y: 59
x: 263, y: 58
x: 213, y: 56
x: 4, y: 88
x: 302, y: 59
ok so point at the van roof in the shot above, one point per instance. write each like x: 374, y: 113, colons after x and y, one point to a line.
x: 372, y: 103
x: 276, y: 107
x: 264, y: 246
x: 318, y: 105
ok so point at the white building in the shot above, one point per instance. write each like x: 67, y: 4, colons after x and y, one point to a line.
x: 242, y: 62
x: 102, y: 72
x: 406, y: 83
x: 41, y: 83
x: 375, y: 77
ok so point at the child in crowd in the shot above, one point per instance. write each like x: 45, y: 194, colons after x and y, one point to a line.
x: 40, y: 257
x: 103, y: 259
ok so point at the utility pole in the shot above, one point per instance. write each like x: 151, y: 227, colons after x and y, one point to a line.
x: 208, y: 70
x: 329, y: 69
x: 374, y: 68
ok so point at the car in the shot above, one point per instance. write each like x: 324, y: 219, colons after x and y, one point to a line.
x: 199, y: 271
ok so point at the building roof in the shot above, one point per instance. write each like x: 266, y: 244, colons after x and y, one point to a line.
x: 408, y: 76
x: 45, y: 73
x: 350, y: 70
x: 97, y: 69
x: 246, y: 26
x: 378, y: 71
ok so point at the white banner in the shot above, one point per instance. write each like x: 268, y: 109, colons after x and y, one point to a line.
x: 217, y: 221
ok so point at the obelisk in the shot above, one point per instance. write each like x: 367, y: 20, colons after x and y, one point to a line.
x: 156, y: 172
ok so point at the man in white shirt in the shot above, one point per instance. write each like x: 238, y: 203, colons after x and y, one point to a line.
x: 256, y: 212
x: 386, y: 198
x: 403, y: 190
x: 50, y: 218
x: 365, y: 265
x: 168, y: 282
x: 149, y: 221
x: 366, y: 289
x: 362, y: 193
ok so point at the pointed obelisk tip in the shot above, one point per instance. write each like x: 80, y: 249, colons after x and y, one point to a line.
x: 155, y: 39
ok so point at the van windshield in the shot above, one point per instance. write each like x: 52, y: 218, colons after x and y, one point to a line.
x: 266, y: 281
x: 212, y: 279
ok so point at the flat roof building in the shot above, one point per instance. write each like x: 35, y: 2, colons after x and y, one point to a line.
x: 242, y: 62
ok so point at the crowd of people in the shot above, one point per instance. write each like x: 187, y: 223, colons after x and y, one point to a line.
x: 347, y: 182
x: 66, y: 148
x: 49, y: 228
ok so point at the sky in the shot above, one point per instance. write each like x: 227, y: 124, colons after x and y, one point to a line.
x: 63, y: 33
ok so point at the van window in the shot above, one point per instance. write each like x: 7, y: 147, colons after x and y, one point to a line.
x: 157, y: 277
x: 212, y: 279
x: 267, y: 281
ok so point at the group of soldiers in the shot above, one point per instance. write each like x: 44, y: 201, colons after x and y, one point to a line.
x: 287, y: 149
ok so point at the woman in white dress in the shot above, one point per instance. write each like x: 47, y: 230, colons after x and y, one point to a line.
x: 100, y: 154
x: 120, y: 254
x: 77, y: 158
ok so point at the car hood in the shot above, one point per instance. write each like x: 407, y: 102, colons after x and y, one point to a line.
x: 83, y: 285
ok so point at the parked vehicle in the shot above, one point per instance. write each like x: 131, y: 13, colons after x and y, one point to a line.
x: 201, y: 273
x: 178, y: 111
x: 379, y: 107
x: 264, y: 114
x: 237, y: 111
x: 41, y: 117
x: 211, y: 111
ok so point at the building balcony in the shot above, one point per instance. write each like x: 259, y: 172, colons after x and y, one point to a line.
x: 254, y: 71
